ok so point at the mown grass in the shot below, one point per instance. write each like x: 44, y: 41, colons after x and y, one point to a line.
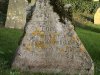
x: 8, y: 43
x: 91, y: 40
x: 9, y: 39
x: 89, y: 34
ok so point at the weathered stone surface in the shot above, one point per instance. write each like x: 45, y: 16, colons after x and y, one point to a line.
x: 16, y: 15
x: 51, y: 46
x: 97, y: 17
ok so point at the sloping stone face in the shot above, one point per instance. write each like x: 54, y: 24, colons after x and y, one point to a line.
x: 16, y: 15
x: 51, y: 46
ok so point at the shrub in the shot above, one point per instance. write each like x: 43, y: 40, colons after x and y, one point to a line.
x: 84, y: 5
x: 64, y: 11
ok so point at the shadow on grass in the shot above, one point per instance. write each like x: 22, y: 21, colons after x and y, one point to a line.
x: 86, y: 27
x: 88, y: 18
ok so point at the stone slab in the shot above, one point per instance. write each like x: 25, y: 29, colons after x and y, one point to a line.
x: 97, y: 17
x: 16, y: 15
x: 51, y: 46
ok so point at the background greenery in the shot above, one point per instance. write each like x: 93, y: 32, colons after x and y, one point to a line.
x: 88, y: 6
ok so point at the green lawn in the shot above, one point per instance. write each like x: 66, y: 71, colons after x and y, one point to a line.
x: 9, y: 42
x: 91, y: 40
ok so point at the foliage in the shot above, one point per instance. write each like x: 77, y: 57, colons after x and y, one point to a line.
x: 83, y: 5
x: 63, y: 12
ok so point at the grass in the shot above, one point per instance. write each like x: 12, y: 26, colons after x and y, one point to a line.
x: 91, y: 40
x: 8, y: 44
x: 9, y: 39
x: 89, y: 34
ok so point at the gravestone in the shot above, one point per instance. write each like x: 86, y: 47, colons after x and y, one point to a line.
x: 97, y: 17
x: 16, y: 15
x: 51, y: 46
